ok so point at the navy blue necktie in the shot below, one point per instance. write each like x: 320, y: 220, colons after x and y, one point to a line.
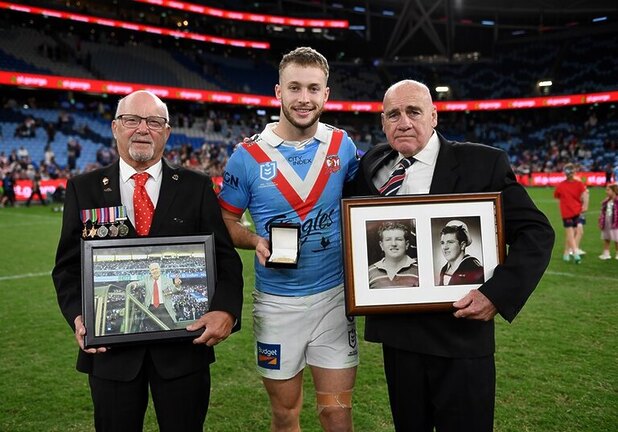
x: 395, y: 181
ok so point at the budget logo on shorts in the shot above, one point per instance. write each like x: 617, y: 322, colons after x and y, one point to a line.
x: 269, y: 355
x: 268, y: 170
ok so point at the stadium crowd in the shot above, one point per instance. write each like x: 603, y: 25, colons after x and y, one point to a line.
x: 541, y: 140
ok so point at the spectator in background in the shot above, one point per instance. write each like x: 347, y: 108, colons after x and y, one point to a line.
x: 74, y: 150
x: 573, y: 199
x: 65, y: 122
x: 608, y: 221
x: 36, y: 190
x: 49, y: 157
x: 26, y: 129
x: 609, y: 172
x: 22, y: 154
x: 8, y: 183
x: 50, y: 130
x: 105, y: 155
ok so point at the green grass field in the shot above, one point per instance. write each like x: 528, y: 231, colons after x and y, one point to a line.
x: 557, y: 364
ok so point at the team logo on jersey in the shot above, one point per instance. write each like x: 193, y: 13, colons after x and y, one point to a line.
x: 269, y: 356
x: 333, y: 163
x: 268, y: 170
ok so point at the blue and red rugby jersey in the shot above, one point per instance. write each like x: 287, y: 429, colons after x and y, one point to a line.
x: 278, y: 182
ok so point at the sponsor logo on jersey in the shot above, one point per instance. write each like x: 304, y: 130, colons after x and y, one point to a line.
x: 268, y: 170
x: 230, y: 180
x: 333, y: 163
x: 299, y: 160
x: 269, y: 356
x: 311, y: 227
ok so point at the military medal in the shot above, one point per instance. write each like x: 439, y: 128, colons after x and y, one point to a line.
x: 102, y: 231
x: 93, y: 230
x: 113, y: 229
x: 85, y: 217
x: 123, y: 230
x: 103, y: 218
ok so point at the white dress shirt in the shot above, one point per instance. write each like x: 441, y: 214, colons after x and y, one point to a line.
x: 419, y: 175
x: 127, y: 186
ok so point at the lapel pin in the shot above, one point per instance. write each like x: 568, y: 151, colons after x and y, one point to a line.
x: 105, y: 181
x: 175, y: 177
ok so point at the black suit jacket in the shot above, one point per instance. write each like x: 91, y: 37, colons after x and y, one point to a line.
x: 187, y: 205
x: 467, y: 168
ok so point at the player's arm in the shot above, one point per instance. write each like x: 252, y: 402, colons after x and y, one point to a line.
x: 244, y: 238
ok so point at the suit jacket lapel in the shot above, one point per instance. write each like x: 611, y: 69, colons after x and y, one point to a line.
x: 110, y: 185
x: 382, y: 156
x: 169, y: 182
x: 445, y: 175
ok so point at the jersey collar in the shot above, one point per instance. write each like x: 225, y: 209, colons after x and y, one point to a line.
x: 274, y: 140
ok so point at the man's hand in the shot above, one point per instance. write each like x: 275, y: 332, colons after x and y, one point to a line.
x: 80, y: 332
x: 475, y: 306
x: 217, y: 327
x: 262, y: 250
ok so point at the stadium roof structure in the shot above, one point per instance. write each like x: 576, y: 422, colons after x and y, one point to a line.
x: 440, y: 30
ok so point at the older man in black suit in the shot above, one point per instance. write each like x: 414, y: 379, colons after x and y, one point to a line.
x: 440, y: 366
x: 184, y: 203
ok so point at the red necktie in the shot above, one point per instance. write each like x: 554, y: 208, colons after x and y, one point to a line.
x: 142, y: 205
x: 155, y: 294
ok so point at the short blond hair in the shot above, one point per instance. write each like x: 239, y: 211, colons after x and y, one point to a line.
x: 304, y: 56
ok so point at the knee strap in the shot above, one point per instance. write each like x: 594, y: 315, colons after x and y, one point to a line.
x: 334, y: 400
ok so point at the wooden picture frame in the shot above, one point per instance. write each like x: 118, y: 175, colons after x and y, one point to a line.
x: 379, y: 231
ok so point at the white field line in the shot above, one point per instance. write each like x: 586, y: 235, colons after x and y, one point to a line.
x: 24, y: 276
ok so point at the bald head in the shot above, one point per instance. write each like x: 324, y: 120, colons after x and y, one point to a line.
x: 141, y: 144
x: 142, y: 97
x: 411, y: 85
x: 408, y: 116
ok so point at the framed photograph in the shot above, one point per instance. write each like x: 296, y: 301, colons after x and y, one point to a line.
x: 145, y: 289
x: 418, y: 253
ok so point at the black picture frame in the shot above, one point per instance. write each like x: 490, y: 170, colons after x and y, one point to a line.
x: 117, y: 288
x: 423, y: 284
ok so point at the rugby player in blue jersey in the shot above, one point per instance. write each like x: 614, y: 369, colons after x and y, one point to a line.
x: 294, y: 172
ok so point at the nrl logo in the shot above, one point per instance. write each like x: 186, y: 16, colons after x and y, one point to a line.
x: 352, y: 338
x: 268, y: 171
x: 333, y: 163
